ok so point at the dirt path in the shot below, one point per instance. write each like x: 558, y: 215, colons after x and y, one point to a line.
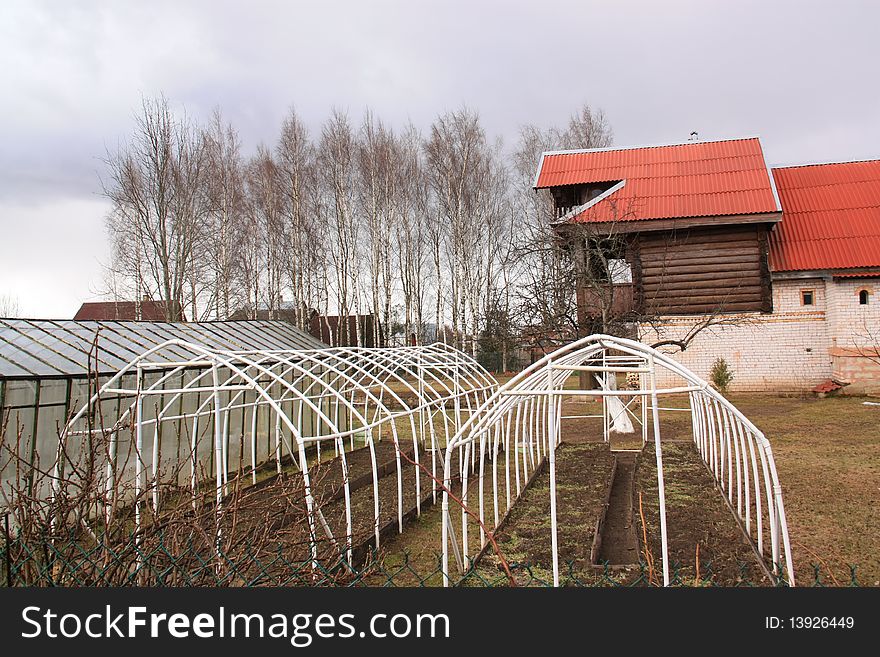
x: 620, y: 543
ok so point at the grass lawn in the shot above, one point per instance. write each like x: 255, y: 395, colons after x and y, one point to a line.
x: 827, y: 453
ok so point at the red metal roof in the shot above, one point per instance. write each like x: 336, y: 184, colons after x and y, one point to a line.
x: 857, y: 274
x: 149, y: 311
x: 692, y: 179
x: 831, y: 217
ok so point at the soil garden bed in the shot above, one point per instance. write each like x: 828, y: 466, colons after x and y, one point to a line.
x: 696, y: 515
x: 583, y: 477
x: 281, y: 514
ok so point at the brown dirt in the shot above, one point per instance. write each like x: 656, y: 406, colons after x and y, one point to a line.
x: 620, y: 544
x: 583, y: 474
x: 283, y: 507
x: 696, y: 515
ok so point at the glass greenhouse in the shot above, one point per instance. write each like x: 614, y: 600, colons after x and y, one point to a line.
x: 50, y: 368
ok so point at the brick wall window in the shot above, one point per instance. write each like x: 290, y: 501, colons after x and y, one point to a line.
x: 808, y: 297
x: 864, y: 297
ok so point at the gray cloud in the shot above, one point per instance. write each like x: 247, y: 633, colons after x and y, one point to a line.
x: 802, y: 74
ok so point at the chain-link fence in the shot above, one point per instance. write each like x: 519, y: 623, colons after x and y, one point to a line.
x: 74, y: 561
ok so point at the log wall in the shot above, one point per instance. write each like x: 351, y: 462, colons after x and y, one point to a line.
x: 702, y: 270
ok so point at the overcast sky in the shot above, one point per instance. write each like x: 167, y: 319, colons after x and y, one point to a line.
x: 802, y: 75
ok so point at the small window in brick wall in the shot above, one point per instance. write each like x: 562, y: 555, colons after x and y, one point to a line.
x: 808, y: 297
x: 864, y: 297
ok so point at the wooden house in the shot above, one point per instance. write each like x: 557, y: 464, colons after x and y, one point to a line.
x: 707, y: 229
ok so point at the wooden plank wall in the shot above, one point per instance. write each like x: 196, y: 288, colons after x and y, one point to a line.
x: 702, y: 270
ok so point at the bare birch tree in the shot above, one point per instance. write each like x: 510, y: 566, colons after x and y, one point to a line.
x: 412, y: 234
x: 264, y: 208
x: 458, y: 159
x: 336, y: 158
x: 225, y: 189
x: 378, y: 200
x: 306, y: 258
x: 156, y: 188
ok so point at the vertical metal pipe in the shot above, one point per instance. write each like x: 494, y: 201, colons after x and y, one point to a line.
x: 33, y: 446
x: 495, y: 445
x: 480, y: 480
x: 138, y: 461
x: 154, y: 466
x: 194, y: 455
x: 278, y: 443
x: 218, y: 446
x: 464, y: 502
x: 759, y: 516
x: 508, y: 420
x: 255, y: 409
x: 551, y: 430
x: 375, y: 469
x: 735, y: 432
x: 225, y: 445
x: 516, y: 448
x: 661, y: 490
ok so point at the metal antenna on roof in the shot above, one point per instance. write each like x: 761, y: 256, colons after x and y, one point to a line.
x: 695, y: 136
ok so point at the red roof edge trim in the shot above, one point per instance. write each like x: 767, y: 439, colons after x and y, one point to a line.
x: 823, y: 164
x: 772, y: 182
x: 857, y: 274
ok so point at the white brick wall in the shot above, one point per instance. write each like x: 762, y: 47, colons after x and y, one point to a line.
x: 785, y: 350
x: 854, y: 330
x: 852, y: 325
x: 796, y: 346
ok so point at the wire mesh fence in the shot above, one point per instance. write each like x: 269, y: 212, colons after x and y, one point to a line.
x: 71, y: 561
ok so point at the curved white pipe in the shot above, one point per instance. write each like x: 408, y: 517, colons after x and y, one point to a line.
x: 718, y: 427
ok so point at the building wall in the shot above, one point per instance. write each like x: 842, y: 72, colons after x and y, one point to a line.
x: 786, y: 350
x: 855, y: 333
x: 698, y: 270
x: 853, y: 325
x: 795, y: 347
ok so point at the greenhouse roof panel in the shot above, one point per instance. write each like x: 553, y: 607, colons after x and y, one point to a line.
x: 33, y: 348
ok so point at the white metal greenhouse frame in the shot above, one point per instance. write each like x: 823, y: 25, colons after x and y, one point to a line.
x: 310, y: 398
x: 520, y: 425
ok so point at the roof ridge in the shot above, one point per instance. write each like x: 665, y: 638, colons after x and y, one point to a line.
x: 576, y: 151
x: 823, y: 164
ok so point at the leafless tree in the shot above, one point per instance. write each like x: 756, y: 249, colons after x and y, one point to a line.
x: 155, y: 184
x: 336, y: 157
x: 412, y: 234
x: 295, y: 154
x: 378, y: 162
x: 468, y: 182
x: 354, y: 221
x: 9, y: 306
x: 226, y: 196
x: 266, y: 237
x: 587, y: 128
x: 546, y: 275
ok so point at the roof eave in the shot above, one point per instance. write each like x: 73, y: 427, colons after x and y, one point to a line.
x: 679, y: 223
x: 826, y: 273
